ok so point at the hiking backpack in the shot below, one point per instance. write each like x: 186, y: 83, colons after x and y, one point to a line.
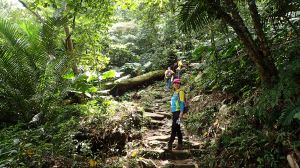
x: 186, y: 103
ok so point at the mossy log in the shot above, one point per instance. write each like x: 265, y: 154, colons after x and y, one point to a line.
x: 118, y: 88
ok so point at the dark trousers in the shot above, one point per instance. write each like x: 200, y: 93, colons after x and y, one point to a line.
x: 175, y: 129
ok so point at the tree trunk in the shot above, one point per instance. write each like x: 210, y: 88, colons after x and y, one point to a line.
x: 70, y: 49
x: 266, y: 67
x: 119, y: 88
x: 267, y: 55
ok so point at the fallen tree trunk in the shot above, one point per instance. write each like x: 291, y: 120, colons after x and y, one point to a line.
x: 118, y: 88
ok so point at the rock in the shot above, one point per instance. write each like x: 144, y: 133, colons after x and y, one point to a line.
x: 159, y: 138
x: 166, y: 115
x: 154, y: 124
x: 166, y: 99
x: 154, y: 116
x: 177, y: 155
x: 156, y: 144
x: 196, y: 98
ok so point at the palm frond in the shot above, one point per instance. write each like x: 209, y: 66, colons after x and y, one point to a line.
x: 27, y: 72
x: 194, y: 15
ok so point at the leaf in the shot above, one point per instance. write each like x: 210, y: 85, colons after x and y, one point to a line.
x: 288, y: 115
x: 27, y: 145
x: 88, y: 94
x: 69, y: 76
x: 92, y: 78
x: 92, y: 90
x: 109, y: 74
x: 297, y: 116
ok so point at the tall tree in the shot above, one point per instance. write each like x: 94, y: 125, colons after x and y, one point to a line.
x: 84, y: 20
x: 194, y: 14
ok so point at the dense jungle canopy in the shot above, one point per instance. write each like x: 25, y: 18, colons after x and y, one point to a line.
x: 83, y: 83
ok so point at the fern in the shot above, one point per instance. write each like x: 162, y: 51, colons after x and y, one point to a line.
x: 288, y: 115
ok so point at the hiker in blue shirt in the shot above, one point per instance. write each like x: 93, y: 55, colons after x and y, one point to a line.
x: 177, y: 108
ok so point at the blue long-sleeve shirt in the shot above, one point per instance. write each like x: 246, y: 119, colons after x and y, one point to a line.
x: 177, y: 101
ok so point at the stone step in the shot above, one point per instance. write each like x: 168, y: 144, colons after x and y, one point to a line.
x: 171, y: 155
x: 166, y: 155
x: 159, y: 138
x: 184, y: 165
x: 165, y: 114
x: 155, y: 124
x: 157, y: 144
x: 164, y: 109
x: 149, y: 109
x: 154, y: 116
x: 164, y: 100
x: 188, y: 163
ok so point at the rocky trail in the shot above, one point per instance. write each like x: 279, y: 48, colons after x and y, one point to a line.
x: 156, y: 133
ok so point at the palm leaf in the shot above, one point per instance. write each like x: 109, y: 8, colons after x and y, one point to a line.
x: 194, y: 15
x: 28, y: 72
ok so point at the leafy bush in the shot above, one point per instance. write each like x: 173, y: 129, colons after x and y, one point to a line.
x: 199, y: 121
x: 119, y: 56
x: 230, y: 71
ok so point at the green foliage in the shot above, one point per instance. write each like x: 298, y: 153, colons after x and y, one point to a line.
x: 197, y: 122
x: 109, y: 74
x: 82, y: 83
x: 120, y: 56
x: 32, y: 70
x: 55, y: 139
x: 194, y: 15
x: 255, y: 147
x: 87, y: 83
x: 282, y: 100
x: 226, y: 69
x: 33, y: 147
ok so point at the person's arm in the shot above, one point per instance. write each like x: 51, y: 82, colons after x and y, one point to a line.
x: 172, y: 77
x: 181, y: 103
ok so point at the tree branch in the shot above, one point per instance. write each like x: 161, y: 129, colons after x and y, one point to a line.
x: 34, y: 13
